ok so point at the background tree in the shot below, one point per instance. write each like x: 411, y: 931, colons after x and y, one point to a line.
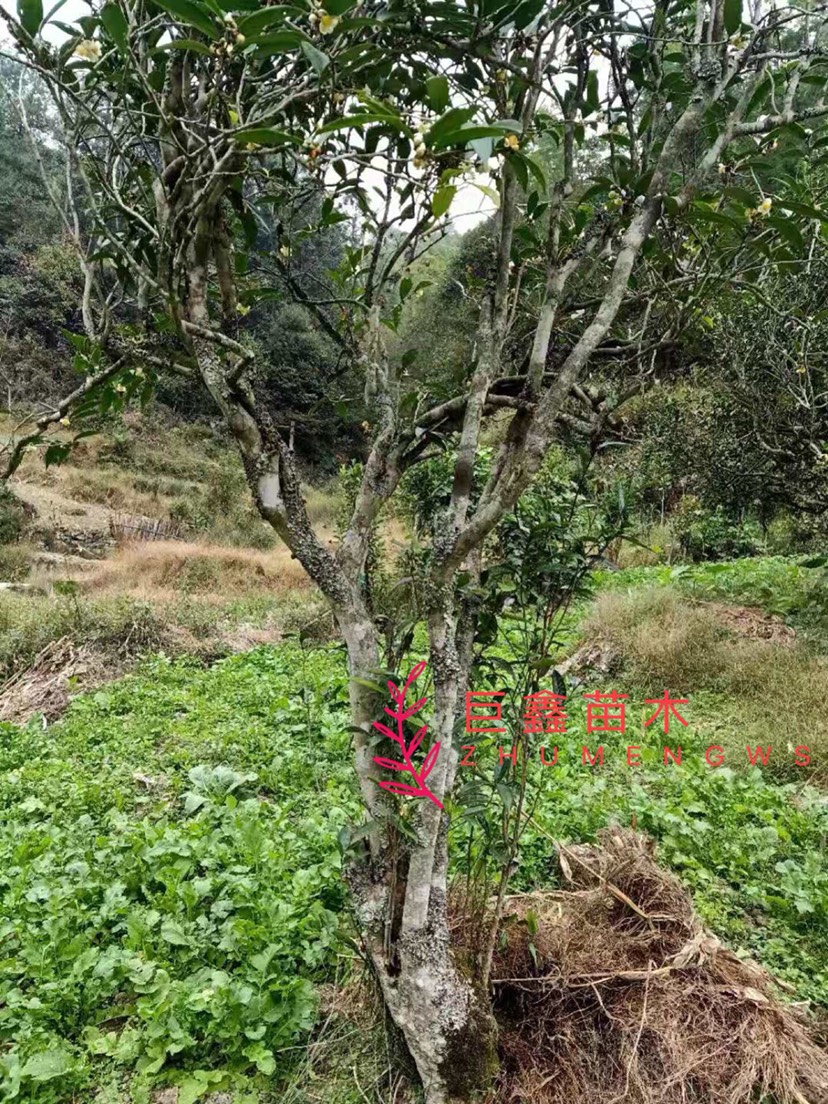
x: 185, y: 122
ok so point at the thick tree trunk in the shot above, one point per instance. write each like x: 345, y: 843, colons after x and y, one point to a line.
x: 401, y: 898
x: 445, y: 1019
x: 437, y: 1002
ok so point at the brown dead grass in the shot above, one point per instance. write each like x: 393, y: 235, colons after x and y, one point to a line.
x: 613, y: 991
x: 46, y: 687
x: 160, y: 570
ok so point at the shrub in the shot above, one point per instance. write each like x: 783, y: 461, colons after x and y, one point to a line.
x: 712, y: 535
x: 12, y: 517
x: 15, y: 562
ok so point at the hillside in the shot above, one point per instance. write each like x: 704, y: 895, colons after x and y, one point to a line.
x: 145, y: 539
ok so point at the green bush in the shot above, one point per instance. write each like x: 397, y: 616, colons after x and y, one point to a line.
x: 712, y: 535
x: 15, y: 562
x: 12, y: 517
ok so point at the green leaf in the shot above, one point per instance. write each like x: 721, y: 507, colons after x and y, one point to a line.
x: 368, y: 684
x: 437, y: 90
x: 280, y: 42
x: 47, y: 1065
x: 115, y: 24
x: 256, y: 22
x: 732, y: 15
x: 56, y: 453
x: 197, y: 1083
x: 741, y: 195
x: 520, y: 168
x: 452, y: 120
x: 173, y: 933
x: 788, y: 229
x: 534, y: 168
x: 464, y: 135
x: 361, y: 119
x: 526, y: 11
x: 267, y: 136
x: 803, y: 209
x: 592, y: 99
x: 184, y: 44
x: 489, y: 192
x: 30, y: 14
x: 318, y: 59
x: 191, y: 13
x: 703, y: 211
x: 262, y: 1057
x: 442, y: 199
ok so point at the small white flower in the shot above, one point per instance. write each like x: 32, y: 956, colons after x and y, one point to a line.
x: 89, y: 49
x: 328, y: 22
x: 493, y: 164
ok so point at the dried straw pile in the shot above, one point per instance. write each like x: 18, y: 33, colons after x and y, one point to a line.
x: 614, y: 992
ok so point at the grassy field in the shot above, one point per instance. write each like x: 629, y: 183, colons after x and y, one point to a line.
x: 170, y: 848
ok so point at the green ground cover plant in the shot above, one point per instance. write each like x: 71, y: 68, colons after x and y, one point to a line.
x: 170, y: 870
x: 170, y: 876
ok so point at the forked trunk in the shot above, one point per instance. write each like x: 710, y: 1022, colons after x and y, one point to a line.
x: 400, y: 894
x: 399, y: 888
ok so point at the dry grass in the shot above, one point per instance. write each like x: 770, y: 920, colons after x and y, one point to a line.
x: 613, y: 991
x: 772, y: 688
x: 160, y: 570
x: 324, y: 505
x: 662, y: 640
x: 113, y: 488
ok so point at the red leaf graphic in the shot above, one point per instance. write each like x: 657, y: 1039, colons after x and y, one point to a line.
x: 415, y: 673
x: 386, y: 731
x: 412, y: 709
x: 401, y: 715
x: 389, y: 764
x: 429, y: 761
x: 417, y: 740
x: 400, y: 787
